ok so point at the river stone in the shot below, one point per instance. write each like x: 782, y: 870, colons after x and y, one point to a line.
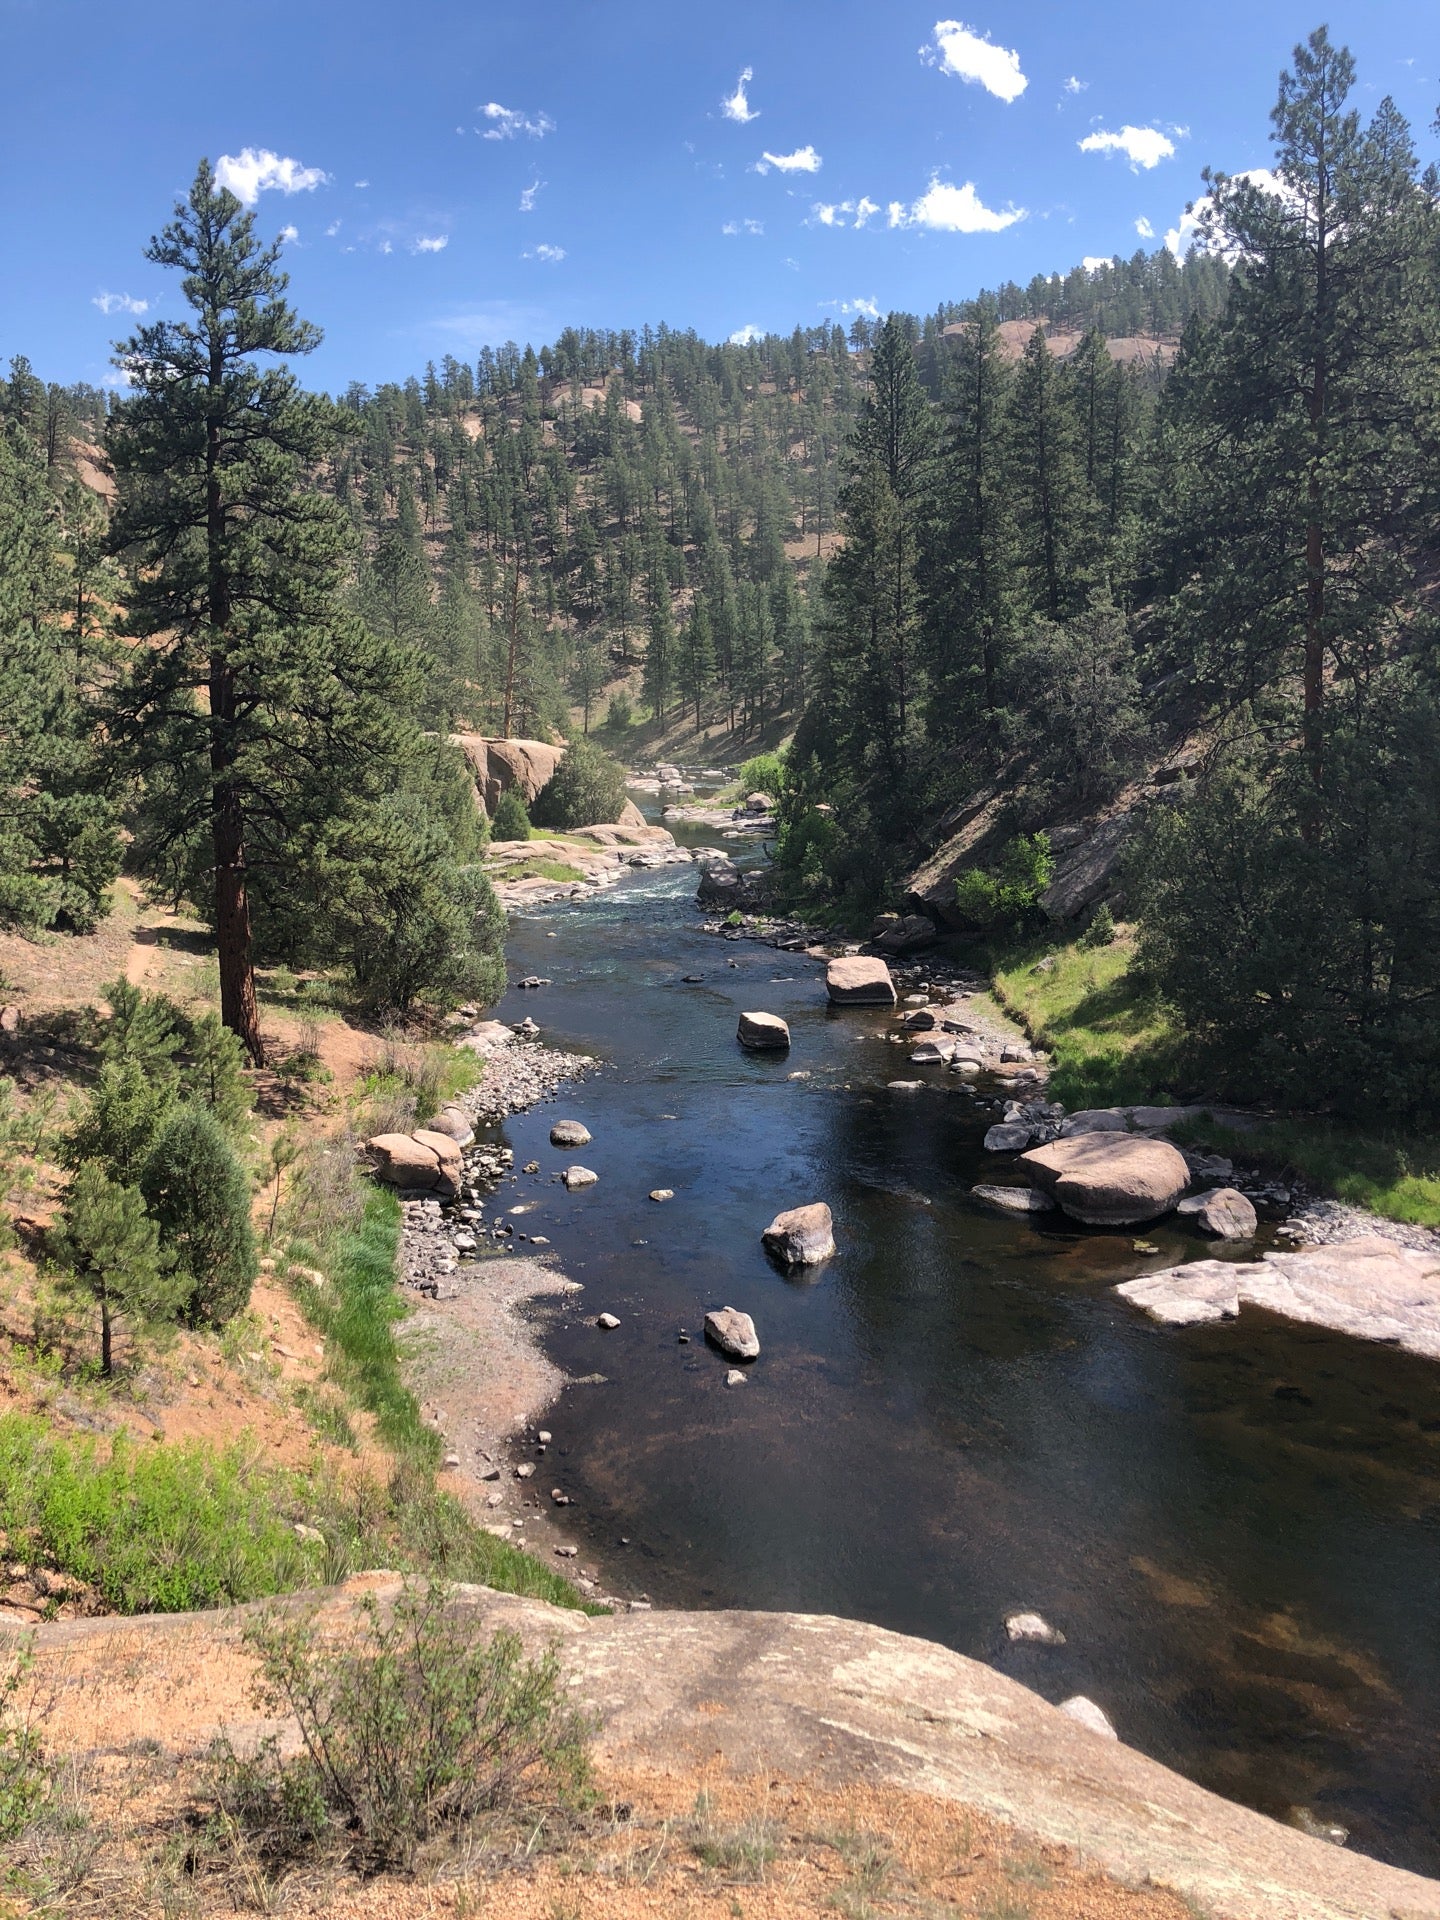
x: 733, y: 1332
x: 905, y: 1086
x: 1009, y: 1137
x: 735, y: 1378
x: 763, y: 1032
x: 1089, y: 1715
x: 1034, y: 1627
x: 455, y: 1122
x: 802, y: 1236
x: 1110, y: 1180
x: 920, y: 1021
x: 933, y: 1053
x: 1014, y: 1199
x: 1222, y: 1212
x: 569, y: 1133
x: 859, y: 980
x: 1095, y: 1120
x: 607, y: 1321
x: 662, y: 1193
x: 579, y: 1177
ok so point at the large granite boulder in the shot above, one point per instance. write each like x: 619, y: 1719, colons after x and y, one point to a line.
x: 1109, y: 1179
x: 424, y: 1159
x: 763, y: 1032
x: 801, y: 1236
x: 733, y: 1333
x: 859, y: 980
x: 911, y: 933
x: 454, y: 1122
x: 500, y: 765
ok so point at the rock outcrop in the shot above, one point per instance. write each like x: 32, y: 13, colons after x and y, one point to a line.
x: 1109, y: 1179
x: 840, y: 1702
x: 1369, y: 1288
x: 502, y: 765
x: 419, y: 1161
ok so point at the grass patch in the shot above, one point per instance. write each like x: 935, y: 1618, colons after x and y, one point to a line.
x: 1112, y: 1041
x: 1396, y: 1176
x: 537, y: 869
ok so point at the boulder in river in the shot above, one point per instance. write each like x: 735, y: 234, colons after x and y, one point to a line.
x: 733, y: 1333
x: 933, y: 1053
x: 859, y: 980
x: 569, y: 1133
x: 1223, y: 1213
x: 1009, y: 1136
x: 763, y: 1033
x: 1109, y: 1179
x: 579, y: 1177
x: 801, y: 1236
x: 1014, y: 1199
x: 1033, y: 1627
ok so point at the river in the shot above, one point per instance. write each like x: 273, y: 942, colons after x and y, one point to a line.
x: 1236, y: 1527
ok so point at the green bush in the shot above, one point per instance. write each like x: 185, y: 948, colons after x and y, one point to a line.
x: 411, y: 1727
x: 587, y: 789
x: 27, y: 1777
x: 764, y: 774
x: 510, y: 821
x: 619, y: 715
x: 1008, y: 895
x: 199, y: 1194
x: 1101, y: 930
x: 111, y: 1248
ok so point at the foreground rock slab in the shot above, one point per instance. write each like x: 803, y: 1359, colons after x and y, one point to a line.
x: 859, y: 980
x: 801, y: 1236
x: 841, y: 1702
x: 1369, y: 1288
x: 763, y: 1033
x: 733, y: 1333
x: 1109, y: 1179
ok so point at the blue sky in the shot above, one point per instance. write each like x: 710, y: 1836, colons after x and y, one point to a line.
x: 459, y: 172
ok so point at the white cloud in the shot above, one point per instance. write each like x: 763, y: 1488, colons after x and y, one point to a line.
x: 430, y: 243
x: 743, y: 226
x: 362, y: 184
x: 545, y: 252
x: 736, y: 106
x: 865, y: 209
x: 1189, y: 232
x: 869, y: 308
x: 119, y: 303
x: 507, y: 123
x: 289, y: 235
x: 1072, y: 85
x: 945, y: 208
x: 527, y: 195
x: 974, y: 57
x: 386, y: 246
x: 1144, y: 228
x: 743, y: 336
x: 332, y: 229
x: 1093, y: 262
x: 256, y: 170
x: 794, y: 265
x: 837, y: 213
x: 1142, y: 146
x: 803, y: 160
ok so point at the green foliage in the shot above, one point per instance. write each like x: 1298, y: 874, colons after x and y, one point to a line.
x: 1111, y: 1039
x: 1394, y: 1175
x: 199, y: 1195
x: 619, y: 716
x: 215, y: 1072
x: 510, y: 821
x: 1076, y: 684
x: 111, y: 1248
x: 410, y: 1727
x: 1008, y: 895
x: 27, y: 1775
x: 587, y: 789
x: 764, y: 773
x: 1100, y: 931
x: 119, y: 1125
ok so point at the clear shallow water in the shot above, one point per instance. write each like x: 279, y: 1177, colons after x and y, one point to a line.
x: 1238, y: 1528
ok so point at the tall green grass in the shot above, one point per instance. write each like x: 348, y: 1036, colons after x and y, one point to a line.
x: 1113, y: 1043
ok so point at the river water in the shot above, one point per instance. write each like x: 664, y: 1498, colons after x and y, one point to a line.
x: 1236, y: 1527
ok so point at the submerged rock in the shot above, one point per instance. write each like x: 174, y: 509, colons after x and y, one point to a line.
x: 733, y: 1333
x: 801, y: 1236
x: 1033, y: 1627
x: 1014, y: 1199
x: 569, y: 1133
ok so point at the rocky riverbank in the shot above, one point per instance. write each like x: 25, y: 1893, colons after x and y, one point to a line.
x: 571, y: 866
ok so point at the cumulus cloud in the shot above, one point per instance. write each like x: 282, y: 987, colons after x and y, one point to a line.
x: 527, y: 195
x: 544, y: 252
x: 843, y: 213
x: 1072, y: 85
x: 974, y: 57
x: 1093, y: 262
x: 332, y: 229
x: 743, y: 336
x: 289, y: 235
x: 736, y: 105
x: 256, y: 170
x: 946, y: 208
x: 1144, y: 228
x: 1189, y: 232
x: 743, y: 226
x: 119, y: 303
x: 508, y: 123
x: 362, y: 184
x: 1142, y: 146
x: 430, y: 243
x: 869, y: 308
x: 802, y: 160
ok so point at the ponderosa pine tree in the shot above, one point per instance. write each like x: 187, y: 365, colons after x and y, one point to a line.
x: 1053, y: 505
x: 251, y: 689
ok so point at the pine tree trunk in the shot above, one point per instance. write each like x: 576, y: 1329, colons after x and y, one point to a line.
x: 105, y: 1359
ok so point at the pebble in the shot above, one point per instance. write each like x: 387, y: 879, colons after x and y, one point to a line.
x: 662, y: 1193
x: 544, y: 1436
x: 735, y: 1378
x: 525, y: 1470
x: 608, y: 1321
